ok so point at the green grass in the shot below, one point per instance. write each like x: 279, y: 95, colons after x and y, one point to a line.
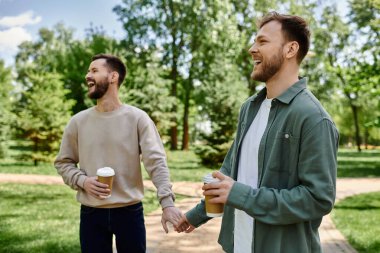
x: 354, y: 164
x: 38, y: 218
x: 27, y: 168
x: 358, y: 218
x: 43, y: 218
x: 186, y: 166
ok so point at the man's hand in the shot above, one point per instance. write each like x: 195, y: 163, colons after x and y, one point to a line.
x: 96, y: 189
x: 174, y: 216
x: 185, y: 226
x: 219, y: 189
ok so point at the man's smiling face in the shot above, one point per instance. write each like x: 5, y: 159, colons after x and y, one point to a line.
x: 267, y: 51
x: 97, y: 79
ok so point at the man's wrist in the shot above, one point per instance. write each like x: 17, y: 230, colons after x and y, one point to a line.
x: 167, y: 202
x: 81, y: 180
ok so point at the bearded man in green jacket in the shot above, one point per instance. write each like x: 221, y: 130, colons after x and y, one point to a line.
x: 279, y: 177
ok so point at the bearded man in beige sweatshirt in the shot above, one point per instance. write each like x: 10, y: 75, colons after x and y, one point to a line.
x: 116, y: 135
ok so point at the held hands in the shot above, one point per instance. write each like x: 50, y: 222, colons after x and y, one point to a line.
x: 96, y: 189
x: 219, y: 189
x: 174, y: 216
x: 185, y: 226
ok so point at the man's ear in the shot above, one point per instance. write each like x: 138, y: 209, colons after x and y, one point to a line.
x: 291, y: 48
x: 115, y: 77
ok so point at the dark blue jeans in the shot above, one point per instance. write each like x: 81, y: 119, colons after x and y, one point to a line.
x: 98, y: 225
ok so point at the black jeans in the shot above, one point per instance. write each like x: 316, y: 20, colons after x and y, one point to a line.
x: 98, y: 225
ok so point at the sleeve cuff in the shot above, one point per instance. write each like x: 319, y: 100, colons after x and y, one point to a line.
x: 166, y: 202
x: 238, y: 195
x: 197, y: 216
x: 81, y: 180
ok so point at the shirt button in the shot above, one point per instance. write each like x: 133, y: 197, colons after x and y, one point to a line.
x: 286, y: 136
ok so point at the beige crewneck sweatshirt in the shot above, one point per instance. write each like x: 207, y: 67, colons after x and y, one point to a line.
x: 119, y: 139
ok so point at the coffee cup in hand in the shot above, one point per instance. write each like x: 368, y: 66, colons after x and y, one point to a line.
x: 212, y: 210
x: 105, y: 176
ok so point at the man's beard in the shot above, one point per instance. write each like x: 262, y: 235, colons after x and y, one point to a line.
x: 268, y: 68
x: 101, y: 88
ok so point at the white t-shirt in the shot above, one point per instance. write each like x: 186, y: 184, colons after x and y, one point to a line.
x: 248, y: 174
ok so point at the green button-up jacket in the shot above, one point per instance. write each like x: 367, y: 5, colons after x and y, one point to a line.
x: 297, y: 175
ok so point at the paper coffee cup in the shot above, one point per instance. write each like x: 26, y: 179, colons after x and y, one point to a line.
x: 212, y: 210
x: 105, y: 176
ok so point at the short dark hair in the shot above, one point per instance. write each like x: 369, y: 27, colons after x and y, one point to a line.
x: 114, y: 63
x: 294, y: 28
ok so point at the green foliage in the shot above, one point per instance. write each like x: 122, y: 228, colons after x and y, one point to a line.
x: 218, y: 109
x: 76, y: 60
x: 42, y: 114
x: 146, y: 89
x: 187, y: 37
x: 57, y: 51
x: 247, y: 15
x: 357, y: 217
x: 6, y: 115
x: 51, y: 75
x: 211, y: 154
x: 188, y: 66
x: 350, y: 79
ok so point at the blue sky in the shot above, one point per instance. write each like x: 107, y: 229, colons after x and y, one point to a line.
x: 21, y: 19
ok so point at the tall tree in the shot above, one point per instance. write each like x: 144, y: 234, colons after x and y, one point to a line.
x: 180, y: 31
x: 146, y: 88
x: 42, y: 112
x: 63, y: 61
x: 366, y: 16
x: 6, y: 117
x: 353, y: 76
x: 155, y: 26
x: 219, y: 99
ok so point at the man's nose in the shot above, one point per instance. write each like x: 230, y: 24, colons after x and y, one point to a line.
x: 252, y: 49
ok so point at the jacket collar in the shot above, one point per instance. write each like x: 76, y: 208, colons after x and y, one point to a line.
x: 287, y: 96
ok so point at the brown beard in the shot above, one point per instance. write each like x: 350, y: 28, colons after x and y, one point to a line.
x: 269, y: 67
x: 101, y: 88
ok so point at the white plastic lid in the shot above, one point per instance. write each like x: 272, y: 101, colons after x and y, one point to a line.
x: 105, y: 172
x: 210, y: 179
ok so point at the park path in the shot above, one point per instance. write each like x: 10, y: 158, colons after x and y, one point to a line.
x: 204, y: 239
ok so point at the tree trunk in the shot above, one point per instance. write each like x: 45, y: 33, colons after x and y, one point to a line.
x: 173, y: 76
x: 35, y: 150
x: 173, y: 128
x: 354, y: 109
x: 185, y: 134
x: 188, y: 87
x: 366, y: 134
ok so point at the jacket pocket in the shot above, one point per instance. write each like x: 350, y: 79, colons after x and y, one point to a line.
x: 282, y: 159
